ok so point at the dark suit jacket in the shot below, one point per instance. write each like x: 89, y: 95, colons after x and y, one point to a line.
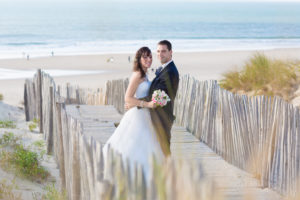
x: 162, y: 117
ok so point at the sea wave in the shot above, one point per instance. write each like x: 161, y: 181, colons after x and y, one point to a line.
x: 25, y: 43
x: 130, y: 46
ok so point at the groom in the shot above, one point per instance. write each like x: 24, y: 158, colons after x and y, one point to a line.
x: 167, y: 79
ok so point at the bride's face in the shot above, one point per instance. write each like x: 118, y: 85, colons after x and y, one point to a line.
x: 146, y: 61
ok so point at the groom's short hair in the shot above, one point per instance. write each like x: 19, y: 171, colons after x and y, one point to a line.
x: 167, y: 43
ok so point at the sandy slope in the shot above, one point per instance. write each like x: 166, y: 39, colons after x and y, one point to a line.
x: 25, y: 187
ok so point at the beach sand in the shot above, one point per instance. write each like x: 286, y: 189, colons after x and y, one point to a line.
x: 202, y: 65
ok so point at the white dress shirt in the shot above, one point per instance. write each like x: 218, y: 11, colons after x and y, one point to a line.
x: 164, y: 65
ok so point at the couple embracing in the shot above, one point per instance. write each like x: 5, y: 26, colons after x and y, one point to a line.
x: 145, y: 128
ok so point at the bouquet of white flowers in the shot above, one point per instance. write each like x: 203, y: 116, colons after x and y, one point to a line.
x: 160, y: 98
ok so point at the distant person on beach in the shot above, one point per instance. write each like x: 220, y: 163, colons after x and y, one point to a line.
x: 129, y: 59
x: 52, y: 53
x: 111, y: 59
x: 27, y: 56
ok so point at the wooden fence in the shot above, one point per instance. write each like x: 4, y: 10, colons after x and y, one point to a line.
x: 115, y: 93
x: 41, y: 95
x: 80, y: 157
x: 258, y: 134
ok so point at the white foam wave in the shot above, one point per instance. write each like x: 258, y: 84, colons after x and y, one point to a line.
x: 18, y: 74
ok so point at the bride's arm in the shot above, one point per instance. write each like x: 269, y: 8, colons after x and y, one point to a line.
x: 130, y: 100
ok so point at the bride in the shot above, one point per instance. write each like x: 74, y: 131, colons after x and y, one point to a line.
x: 135, y: 137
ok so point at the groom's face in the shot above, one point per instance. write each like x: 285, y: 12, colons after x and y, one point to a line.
x: 163, y: 53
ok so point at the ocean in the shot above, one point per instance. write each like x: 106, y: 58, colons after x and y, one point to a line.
x: 70, y: 28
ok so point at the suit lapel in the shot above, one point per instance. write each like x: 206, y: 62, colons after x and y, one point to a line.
x: 164, y: 69
x: 160, y: 73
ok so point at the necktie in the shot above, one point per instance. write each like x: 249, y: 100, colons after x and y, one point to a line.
x: 158, y: 70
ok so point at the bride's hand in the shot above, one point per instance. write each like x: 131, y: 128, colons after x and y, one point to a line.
x: 151, y: 104
x: 127, y: 106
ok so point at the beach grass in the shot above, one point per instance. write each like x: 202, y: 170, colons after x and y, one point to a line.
x: 54, y: 194
x: 7, y: 124
x: 23, y: 162
x: 6, y: 190
x: 39, y: 144
x: 1, y: 97
x: 263, y: 76
x: 8, y: 139
x: 32, y: 126
x: 36, y: 120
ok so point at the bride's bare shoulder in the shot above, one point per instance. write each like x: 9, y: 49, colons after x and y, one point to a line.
x: 136, y: 77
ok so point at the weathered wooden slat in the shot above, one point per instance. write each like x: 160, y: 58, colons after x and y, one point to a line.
x: 59, y: 149
x: 39, y: 86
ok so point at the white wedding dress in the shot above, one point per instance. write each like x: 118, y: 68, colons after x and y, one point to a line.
x: 135, y: 138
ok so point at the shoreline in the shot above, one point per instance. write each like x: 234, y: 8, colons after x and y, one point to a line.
x: 153, y: 51
x: 201, y: 65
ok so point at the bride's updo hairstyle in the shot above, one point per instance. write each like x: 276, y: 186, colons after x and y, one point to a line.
x: 137, y: 66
